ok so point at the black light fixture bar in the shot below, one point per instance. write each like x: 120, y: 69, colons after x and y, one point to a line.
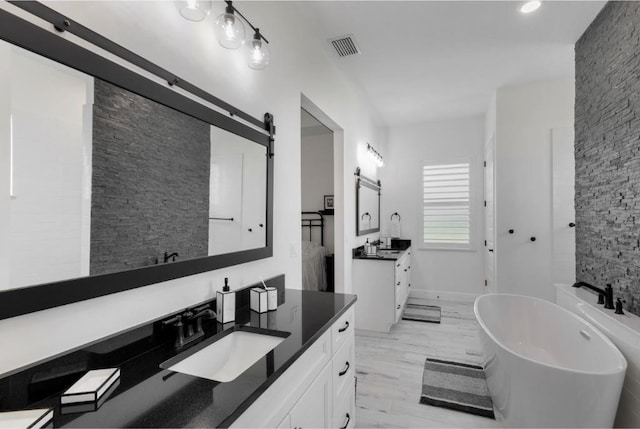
x: 62, y: 23
x: 255, y: 30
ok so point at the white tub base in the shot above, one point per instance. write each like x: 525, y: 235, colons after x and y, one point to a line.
x: 545, y: 366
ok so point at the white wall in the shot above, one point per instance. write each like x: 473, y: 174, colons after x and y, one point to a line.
x: 48, y: 105
x: 408, y: 146
x: 525, y: 116
x: 299, y: 65
x: 317, y: 179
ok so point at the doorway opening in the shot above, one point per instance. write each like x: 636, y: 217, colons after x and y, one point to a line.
x: 322, y: 200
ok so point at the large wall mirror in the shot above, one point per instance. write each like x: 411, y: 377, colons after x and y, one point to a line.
x: 367, y: 205
x: 115, y: 181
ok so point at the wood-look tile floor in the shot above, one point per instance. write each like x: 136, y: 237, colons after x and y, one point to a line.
x: 389, y: 369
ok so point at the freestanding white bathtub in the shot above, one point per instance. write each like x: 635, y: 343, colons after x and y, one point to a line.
x: 545, y: 366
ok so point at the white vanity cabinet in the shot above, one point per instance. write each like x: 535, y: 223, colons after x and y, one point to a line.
x: 317, y: 391
x: 382, y: 287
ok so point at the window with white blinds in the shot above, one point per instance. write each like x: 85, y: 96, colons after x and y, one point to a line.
x: 446, y: 205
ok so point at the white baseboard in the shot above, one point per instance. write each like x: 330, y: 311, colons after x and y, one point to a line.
x: 443, y: 295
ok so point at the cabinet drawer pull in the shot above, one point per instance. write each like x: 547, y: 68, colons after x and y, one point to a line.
x: 347, y: 422
x: 343, y: 372
x: 398, y: 284
x: 398, y: 307
x: 346, y: 325
x: 398, y: 265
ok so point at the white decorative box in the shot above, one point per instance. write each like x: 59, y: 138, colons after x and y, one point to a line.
x: 91, y: 387
x: 259, y: 299
x: 35, y: 419
x: 272, y: 298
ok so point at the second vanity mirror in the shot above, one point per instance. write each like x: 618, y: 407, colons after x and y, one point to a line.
x: 115, y: 181
x: 367, y: 205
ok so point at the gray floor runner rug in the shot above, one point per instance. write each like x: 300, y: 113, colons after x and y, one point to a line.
x: 422, y: 313
x: 457, y: 386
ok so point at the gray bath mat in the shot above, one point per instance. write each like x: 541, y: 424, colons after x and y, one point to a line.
x: 421, y: 313
x: 457, y: 386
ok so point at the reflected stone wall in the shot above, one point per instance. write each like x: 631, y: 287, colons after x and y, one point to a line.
x: 150, y: 184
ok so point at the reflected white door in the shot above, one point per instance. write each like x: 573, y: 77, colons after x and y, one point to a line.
x: 225, y: 204
x: 563, y: 264
x: 489, y: 218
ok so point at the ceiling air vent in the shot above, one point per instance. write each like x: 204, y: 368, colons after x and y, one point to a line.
x: 345, y: 45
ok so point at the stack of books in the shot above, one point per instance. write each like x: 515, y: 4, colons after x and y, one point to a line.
x: 90, y: 392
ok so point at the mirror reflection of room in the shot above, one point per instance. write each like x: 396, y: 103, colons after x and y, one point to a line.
x: 108, y: 181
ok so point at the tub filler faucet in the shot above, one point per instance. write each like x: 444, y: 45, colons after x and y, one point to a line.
x: 604, y: 296
x: 608, y: 297
x: 171, y: 256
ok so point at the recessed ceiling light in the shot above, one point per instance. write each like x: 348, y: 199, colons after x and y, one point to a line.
x: 530, y: 6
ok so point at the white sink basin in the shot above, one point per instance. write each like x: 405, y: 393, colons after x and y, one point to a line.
x: 227, y: 357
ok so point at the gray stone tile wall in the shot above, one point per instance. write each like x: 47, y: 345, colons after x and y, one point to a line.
x: 607, y: 152
x: 150, y: 184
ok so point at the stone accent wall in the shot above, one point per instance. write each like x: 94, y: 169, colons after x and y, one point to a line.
x: 607, y: 152
x: 150, y: 184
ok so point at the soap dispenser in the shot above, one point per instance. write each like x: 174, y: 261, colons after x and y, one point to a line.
x: 226, y: 304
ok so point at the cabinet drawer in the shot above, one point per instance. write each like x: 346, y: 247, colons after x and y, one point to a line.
x: 274, y: 404
x: 344, y: 365
x: 342, y: 329
x: 344, y: 407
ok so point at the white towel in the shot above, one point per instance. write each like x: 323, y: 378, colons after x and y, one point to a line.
x: 395, y: 227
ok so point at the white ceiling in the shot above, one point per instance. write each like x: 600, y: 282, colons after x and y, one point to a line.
x: 431, y: 60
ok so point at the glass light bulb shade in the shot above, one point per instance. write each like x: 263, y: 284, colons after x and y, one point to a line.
x: 194, y: 10
x: 530, y: 6
x: 229, y: 31
x: 258, y: 53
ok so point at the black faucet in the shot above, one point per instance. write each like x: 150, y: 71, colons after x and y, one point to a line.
x: 604, y: 296
x: 168, y: 256
x: 608, y: 297
x: 619, y: 307
x: 186, y: 319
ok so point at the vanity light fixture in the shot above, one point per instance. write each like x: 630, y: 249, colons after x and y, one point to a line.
x: 258, y: 51
x: 530, y: 6
x: 377, y: 158
x: 229, y: 29
x: 195, y: 10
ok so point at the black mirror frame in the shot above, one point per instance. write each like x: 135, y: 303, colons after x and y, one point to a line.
x: 367, y: 183
x: 15, y: 302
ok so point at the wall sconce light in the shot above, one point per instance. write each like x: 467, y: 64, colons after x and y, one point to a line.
x: 377, y: 158
x: 229, y: 30
x: 195, y: 10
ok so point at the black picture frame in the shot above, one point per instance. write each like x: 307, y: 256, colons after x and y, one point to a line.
x: 329, y: 203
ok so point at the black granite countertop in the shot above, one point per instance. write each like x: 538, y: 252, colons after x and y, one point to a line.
x: 149, y: 396
x: 392, y: 253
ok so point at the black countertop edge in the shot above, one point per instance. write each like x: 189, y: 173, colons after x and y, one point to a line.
x: 256, y: 394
